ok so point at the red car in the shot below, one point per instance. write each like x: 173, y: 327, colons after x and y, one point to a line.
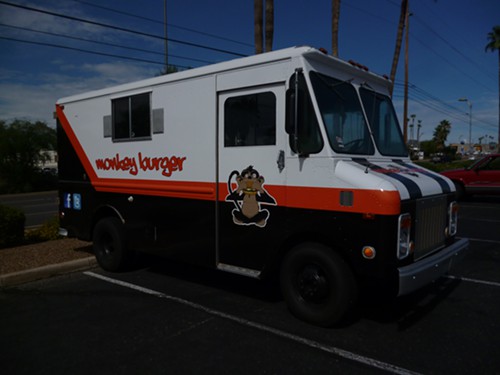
x: 482, y: 177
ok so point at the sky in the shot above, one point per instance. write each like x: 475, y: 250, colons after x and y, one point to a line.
x: 447, y: 57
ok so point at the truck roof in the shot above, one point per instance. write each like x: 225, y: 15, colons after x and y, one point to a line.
x: 254, y: 60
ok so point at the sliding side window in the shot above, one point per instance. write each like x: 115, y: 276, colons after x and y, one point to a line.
x: 132, y: 117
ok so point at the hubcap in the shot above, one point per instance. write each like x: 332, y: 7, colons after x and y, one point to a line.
x: 107, y: 244
x: 312, y: 284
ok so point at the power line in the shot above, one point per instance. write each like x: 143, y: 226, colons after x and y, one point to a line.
x: 464, y: 56
x: 447, y: 105
x: 425, y: 45
x: 118, y: 28
x: 477, y: 123
x: 101, y: 43
x: 432, y: 102
x: 453, y: 65
x: 161, y: 22
x: 86, y: 51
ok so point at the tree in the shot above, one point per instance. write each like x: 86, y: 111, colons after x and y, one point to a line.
x: 494, y: 45
x: 21, y: 146
x: 441, y: 134
x: 258, y: 21
x: 428, y: 147
x: 399, y: 39
x: 335, y: 27
x: 269, y: 24
x: 258, y: 25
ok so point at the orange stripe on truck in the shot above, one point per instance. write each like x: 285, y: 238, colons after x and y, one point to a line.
x: 171, y: 189
x: 323, y: 198
x: 376, y: 202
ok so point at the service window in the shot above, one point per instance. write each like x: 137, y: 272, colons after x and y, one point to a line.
x: 132, y: 117
x: 250, y: 120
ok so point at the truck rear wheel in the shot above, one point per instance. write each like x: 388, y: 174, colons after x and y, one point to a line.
x: 317, y: 284
x: 109, y: 245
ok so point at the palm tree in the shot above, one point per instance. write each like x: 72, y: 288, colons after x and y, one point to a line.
x: 257, y: 12
x: 269, y: 24
x: 399, y: 39
x: 441, y: 133
x: 258, y: 8
x: 335, y: 27
x: 494, y: 45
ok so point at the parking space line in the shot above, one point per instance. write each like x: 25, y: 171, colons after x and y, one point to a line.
x: 484, y: 282
x: 301, y: 340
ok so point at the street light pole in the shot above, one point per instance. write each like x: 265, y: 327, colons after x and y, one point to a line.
x: 418, y: 134
x: 470, y: 121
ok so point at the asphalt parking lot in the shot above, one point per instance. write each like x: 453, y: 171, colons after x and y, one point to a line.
x: 171, y: 318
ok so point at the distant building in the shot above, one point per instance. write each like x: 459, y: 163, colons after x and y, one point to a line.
x: 50, y: 160
x: 477, y: 149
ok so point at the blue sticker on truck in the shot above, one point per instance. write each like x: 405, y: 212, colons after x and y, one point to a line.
x: 72, y: 201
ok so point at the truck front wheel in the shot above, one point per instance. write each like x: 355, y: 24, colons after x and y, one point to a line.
x: 317, y: 284
x: 109, y: 245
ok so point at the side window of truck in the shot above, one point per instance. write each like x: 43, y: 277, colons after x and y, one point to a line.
x: 250, y: 120
x: 131, y: 116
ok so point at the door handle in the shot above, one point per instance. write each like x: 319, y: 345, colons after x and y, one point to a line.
x: 281, y: 160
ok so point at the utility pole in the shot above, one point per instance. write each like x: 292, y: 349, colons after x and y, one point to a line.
x: 412, y: 135
x: 419, y: 126
x: 405, y: 109
x: 165, y: 33
x: 470, y: 121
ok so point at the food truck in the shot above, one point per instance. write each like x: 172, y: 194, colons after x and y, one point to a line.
x: 288, y: 163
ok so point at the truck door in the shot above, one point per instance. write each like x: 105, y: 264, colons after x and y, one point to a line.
x: 250, y: 175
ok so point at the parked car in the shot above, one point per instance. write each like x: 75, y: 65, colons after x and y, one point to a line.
x: 482, y: 177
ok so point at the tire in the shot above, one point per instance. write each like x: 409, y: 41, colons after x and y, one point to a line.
x: 110, y: 245
x: 317, y: 284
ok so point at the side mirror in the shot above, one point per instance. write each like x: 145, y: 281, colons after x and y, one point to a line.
x: 301, y: 123
x: 290, y: 112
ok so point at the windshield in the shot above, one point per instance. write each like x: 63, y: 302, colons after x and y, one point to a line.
x: 383, y: 122
x: 342, y: 115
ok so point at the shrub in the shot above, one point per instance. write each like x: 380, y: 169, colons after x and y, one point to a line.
x: 48, y: 231
x: 11, y: 226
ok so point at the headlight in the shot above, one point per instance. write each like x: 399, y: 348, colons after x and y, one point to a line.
x: 404, y: 231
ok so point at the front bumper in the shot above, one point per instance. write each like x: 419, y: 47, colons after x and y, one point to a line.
x: 424, y: 271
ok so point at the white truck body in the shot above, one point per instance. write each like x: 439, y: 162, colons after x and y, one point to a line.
x: 244, y: 164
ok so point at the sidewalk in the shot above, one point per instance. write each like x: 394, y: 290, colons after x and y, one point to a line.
x: 38, y: 261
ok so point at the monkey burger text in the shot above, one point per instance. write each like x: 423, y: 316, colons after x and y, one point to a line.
x: 167, y: 165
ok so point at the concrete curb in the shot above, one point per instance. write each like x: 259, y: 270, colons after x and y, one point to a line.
x: 16, y: 278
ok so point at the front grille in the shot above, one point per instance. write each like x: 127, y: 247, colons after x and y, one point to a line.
x: 430, y: 222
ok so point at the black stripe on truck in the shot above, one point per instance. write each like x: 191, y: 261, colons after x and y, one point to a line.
x: 413, y: 189
x: 444, y: 185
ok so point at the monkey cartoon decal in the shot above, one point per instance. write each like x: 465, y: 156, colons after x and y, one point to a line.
x: 251, y: 193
